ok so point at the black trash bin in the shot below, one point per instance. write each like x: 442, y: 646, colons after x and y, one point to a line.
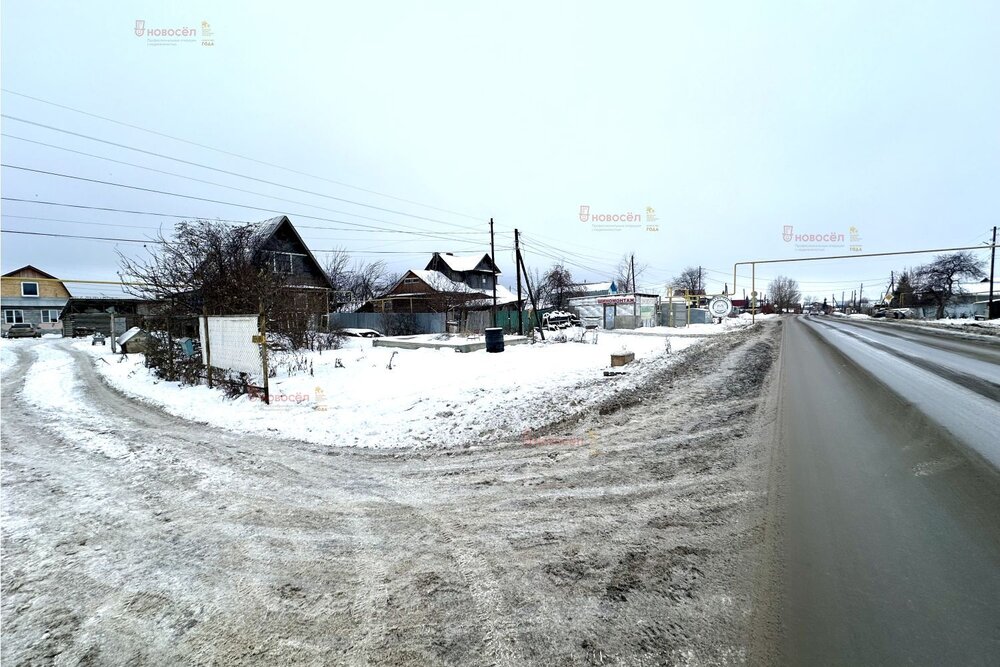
x: 494, y: 339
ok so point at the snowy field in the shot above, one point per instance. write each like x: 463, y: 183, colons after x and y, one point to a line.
x: 430, y: 398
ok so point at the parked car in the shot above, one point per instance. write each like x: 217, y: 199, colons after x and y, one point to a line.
x: 23, y: 331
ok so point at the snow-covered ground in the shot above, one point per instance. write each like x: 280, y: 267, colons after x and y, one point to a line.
x: 959, y: 322
x: 434, y: 398
x: 7, y: 356
x: 728, y: 324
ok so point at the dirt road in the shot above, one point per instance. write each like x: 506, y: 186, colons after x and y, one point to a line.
x: 626, y: 537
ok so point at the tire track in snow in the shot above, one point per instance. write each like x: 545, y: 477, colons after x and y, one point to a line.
x: 53, y: 386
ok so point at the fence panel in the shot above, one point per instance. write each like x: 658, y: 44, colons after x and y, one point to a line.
x: 390, y: 323
x: 229, y: 344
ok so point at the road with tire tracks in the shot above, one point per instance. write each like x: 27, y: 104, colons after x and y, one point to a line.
x: 887, y: 508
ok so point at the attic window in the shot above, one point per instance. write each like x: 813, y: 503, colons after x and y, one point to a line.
x: 284, y: 262
x: 29, y: 289
x: 410, y: 281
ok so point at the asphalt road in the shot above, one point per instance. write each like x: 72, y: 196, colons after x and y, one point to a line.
x: 889, y: 510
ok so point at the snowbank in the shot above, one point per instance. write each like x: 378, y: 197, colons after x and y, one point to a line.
x: 435, y: 398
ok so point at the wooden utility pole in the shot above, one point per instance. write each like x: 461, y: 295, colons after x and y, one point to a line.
x: 531, y: 295
x: 861, y: 291
x: 262, y: 327
x: 635, y: 296
x: 206, y: 345
x: 993, y: 257
x: 520, y: 306
x: 493, y: 261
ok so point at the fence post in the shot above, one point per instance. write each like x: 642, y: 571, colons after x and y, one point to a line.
x: 208, y: 351
x: 170, y: 348
x: 262, y: 327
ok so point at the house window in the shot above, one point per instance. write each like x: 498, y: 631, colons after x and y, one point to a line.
x: 29, y: 289
x: 282, y: 262
x: 13, y: 317
x: 50, y: 316
x: 411, y: 281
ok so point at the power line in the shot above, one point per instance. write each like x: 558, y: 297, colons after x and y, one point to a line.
x: 145, y: 241
x: 242, y: 157
x: 231, y: 173
x: 79, y: 236
x: 219, y: 185
x: 212, y: 201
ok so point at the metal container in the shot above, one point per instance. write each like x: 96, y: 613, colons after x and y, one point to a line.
x: 494, y: 339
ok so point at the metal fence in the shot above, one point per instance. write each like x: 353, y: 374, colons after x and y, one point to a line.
x: 390, y: 324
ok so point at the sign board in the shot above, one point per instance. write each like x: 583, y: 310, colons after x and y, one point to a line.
x: 609, y: 300
x: 720, y: 306
x: 257, y: 339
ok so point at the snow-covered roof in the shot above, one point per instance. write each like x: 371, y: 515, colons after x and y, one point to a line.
x: 504, y: 296
x: 462, y: 262
x: 980, y: 288
x: 592, y: 287
x: 441, y: 282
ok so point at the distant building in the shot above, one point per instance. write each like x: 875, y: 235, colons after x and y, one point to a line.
x: 594, y: 289
x: 31, y: 296
x: 449, y: 283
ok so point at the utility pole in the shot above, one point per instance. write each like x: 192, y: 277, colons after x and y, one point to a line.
x: 635, y: 297
x: 493, y: 261
x: 520, y: 306
x: 699, y: 281
x: 860, y: 292
x: 993, y: 257
x: 531, y: 295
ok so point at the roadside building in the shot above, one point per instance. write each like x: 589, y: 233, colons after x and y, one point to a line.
x: 29, y: 295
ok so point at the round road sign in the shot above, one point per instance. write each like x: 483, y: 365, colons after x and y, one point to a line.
x: 720, y: 306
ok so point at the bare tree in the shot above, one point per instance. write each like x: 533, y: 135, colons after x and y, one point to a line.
x: 625, y: 281
x: 207, y: 267
x: 538, y: 285
x: 367, y: 279
x: 940, y: 279
x: 690, y: 279
x: 784, y: 293
x: 338, y: 269
x: 558, y: 283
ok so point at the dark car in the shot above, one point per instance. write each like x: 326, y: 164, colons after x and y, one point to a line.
x: 22, y: 331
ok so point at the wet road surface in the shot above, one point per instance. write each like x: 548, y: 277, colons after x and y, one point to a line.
x: 889, y: 517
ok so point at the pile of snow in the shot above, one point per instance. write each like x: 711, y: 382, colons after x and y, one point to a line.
x: 959, y: 322
x: 432, y: 398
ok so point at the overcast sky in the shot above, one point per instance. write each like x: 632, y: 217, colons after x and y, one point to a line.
x: 730, y: 120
